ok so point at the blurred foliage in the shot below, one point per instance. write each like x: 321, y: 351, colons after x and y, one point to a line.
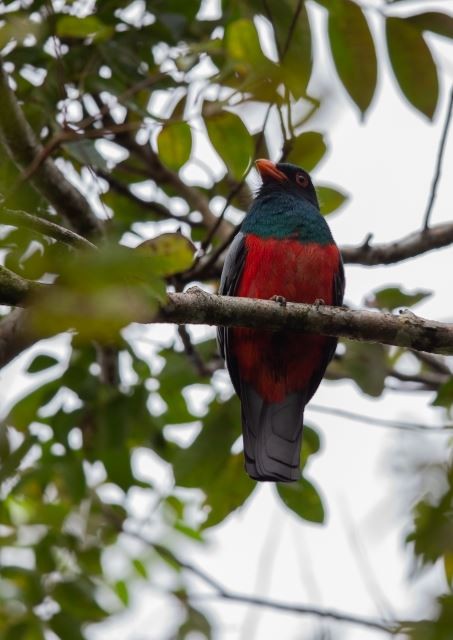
x: 139, y: 88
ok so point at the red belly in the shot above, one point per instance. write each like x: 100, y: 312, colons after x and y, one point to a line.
x: 277, y: 364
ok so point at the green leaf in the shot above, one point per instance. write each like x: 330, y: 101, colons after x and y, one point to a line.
x: 227, y: 491
x: 311, y: 444
x: 100, y: 292
x: 208, y: 464
x: 196, y: 625
x: 303, y: 499
x: 353, y: 51
x: 67, y: 626
x: 448, y: 568
x: 76, y: 597
x: 174, y: 144
x: 171, y: 252
x: 122, y: 591
x: 232, y: 141
x: 365, y: 363
x: 242, y: 43
x: 307, y: 149
x: 330, y: 199
x: 433, y: 21
x: 413, y: 65
x: 200, y: 464
x: 10, y: 466
x: 117, y: 464
x: 391, y: 298
x: 294, y: 40
x: 41, y: 362
x: 444, y: 397
x: 73, y: 27
x: 140, y: 568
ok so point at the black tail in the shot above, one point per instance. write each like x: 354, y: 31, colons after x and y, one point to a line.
x: 272, y: 436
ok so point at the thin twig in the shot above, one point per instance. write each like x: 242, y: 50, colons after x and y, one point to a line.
x: 440, y: 154
x: 200, y: 366
x: 412, y: 245
x: 221, y: 592
x: 434, y: 362
x: 152, y: 206
x: 378, y: 422
x: 329, y: 614
x: 292, y: 26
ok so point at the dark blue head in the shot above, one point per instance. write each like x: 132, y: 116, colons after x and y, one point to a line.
x: 288, y: 178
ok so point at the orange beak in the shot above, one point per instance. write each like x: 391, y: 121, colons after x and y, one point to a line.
x: 268, y: 169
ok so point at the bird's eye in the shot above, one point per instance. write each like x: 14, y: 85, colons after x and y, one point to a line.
x: 302, y: 179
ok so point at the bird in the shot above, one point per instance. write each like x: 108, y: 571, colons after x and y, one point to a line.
x: 284, y: 250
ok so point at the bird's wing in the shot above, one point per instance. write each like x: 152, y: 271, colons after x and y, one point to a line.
x: 231, y: 274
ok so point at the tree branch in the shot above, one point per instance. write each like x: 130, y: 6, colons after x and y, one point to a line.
x: 163, y: 175
x: 378, y: 422
x: 440, y: 155
x: 396, y: 251
x: 46, y: 227
x: 14, y: 290
x: 198, y: 307
x: 14, y: 337
x: 20, y: 141
x: 405, y: 330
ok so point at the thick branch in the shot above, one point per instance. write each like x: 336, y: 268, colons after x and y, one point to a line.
x: 408, y: 247
x: 20, y: 141
x: 198, y: 307
x: 14, y: 337
x: 14, y: 289
x: 406, y: 330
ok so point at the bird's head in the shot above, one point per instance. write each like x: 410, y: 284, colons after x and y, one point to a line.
x: 286, y: 177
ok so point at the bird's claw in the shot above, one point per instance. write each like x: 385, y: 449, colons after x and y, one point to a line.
x: 280, y: 299
x: 319, y: 302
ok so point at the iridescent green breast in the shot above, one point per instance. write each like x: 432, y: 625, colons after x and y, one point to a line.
x: 280, y: 215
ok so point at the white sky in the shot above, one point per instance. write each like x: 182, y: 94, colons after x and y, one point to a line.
x: 363, y: 472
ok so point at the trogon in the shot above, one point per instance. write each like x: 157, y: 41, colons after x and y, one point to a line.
x: 283, y: 250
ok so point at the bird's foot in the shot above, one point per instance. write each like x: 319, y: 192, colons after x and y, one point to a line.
x: 319, y: 302
x: 280, y: 299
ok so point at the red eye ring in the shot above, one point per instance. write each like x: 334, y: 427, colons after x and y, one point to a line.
x: 302, y: 179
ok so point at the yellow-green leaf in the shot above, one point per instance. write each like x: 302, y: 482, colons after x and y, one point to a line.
x: 448, y: 566
x: 391, y: 298
x: 413, y: 65
x: 330, y: 199
x: 171, y: 252
x: 353, y: 51
x: 307, y: 150
x: 73, y: 27
x: 232, y: 141
x: 242, y: 43
x: 174, y: 144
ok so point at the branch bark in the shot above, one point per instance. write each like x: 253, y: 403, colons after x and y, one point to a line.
x: 198, y: 307
x: 19, y: 219
x: 406, y: 330
x: 410, y: 246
